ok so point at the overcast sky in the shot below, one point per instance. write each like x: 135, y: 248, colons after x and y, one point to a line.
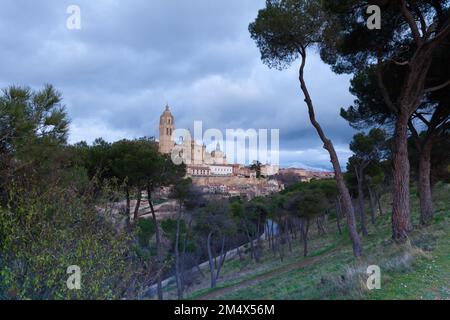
x: 131, y: 57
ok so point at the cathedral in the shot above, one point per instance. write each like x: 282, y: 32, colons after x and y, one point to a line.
x: 194, y: 155
x: 198, y: 160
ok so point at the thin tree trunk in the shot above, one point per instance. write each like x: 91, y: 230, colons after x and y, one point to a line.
x: 288, y: 238
x: 138, y: 205
x: 258, y: 240
x: 304, y: 230
x: 378, y: 195
x: 158, y: 244
x: 372, y: 204
x: 183, y: 256
x: 267, y: 231
x: 294, y: 228
x: 359, y: 177
x: 319, y: 232
x: 320, y: 221
x: 338, y: 216
x: 239, y: 254
x: 424, y: 184
x: 280, y: 245
x: 328, y: 145
x: 210, y: 259
x: 128, y: 206
x: 302, y: 225
x: 272, y: 235
x: 177, y: 257
x: 223, y: 255
x: 250, y: 240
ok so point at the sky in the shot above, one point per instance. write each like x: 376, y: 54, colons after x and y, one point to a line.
x: 132, y: 57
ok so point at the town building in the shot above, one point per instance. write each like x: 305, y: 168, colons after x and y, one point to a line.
x: 214, y: 175
x: 197, y: 159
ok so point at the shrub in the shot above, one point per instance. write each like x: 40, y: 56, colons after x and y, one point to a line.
x: 42, y: 233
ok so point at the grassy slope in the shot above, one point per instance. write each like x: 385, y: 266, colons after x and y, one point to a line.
x: 419, y: 269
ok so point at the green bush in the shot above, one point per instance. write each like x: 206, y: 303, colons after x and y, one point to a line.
x: 145, y: 231
x: 43, y: 234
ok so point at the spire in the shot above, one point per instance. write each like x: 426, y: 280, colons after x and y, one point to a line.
x: 218, y: 146
x: 167, y: 107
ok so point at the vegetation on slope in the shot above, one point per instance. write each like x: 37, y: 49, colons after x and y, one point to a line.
x: 417, y: 269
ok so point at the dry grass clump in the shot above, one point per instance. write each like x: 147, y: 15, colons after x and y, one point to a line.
x: 351, y: 283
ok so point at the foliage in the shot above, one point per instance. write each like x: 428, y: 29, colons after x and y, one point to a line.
x: 49, y: 231
x: 215, y: 217
x: 145, y: 230
x: 310, y: 203
x: 256, y: 166
x: 283, y: 27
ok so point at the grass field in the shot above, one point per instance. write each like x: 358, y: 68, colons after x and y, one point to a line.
x: 418, y: 269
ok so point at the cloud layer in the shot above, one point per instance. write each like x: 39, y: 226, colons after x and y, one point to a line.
x: 130, y: 58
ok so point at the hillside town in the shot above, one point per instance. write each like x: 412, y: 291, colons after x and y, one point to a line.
x: 213, y: 174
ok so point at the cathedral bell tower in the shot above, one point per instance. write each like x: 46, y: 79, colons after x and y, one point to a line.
x: 166, y: 127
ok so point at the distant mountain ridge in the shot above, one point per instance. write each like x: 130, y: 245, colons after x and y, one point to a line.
x: 300, y: 165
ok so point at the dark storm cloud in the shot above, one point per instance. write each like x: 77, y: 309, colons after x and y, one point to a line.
x: 132, y: 57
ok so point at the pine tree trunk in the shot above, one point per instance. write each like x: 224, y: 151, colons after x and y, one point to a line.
x: 210, y: 259
x: 327, y: 144
x: 272, y: 236
x: 177, y: 257
x: 362, y: 213
x: 258, y: 240
x: 320, y: 225
x: 280, y: 245
x: 424, y: 184
x: 223, y: 255
x: 128, y: 206
x: 287, y: 235
x: 401, y: 218
x: 338, y: 216
x: 323, y: 222
x: 250, y: 240
x: 380, y: 208
x: 294, y: 229
x: 239, y: 254
x: 302, y: 222
x: 183, y: 256
x: 268, y: 233
x: 138, y: 205
x: 409, y: 100
x: 304, y: 230
x: 372, y: 203
x: 158, y: 245
x: 411, y: 94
